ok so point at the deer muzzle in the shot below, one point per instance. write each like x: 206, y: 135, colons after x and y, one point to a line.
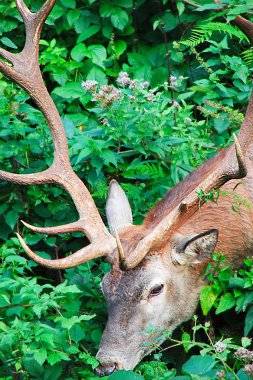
x: 106, y: 369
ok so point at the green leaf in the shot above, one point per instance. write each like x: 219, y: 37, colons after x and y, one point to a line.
x: 40, y: 355
x: 125, y: 3
x: 98, y: 54
x: 73, y: 16
x: 199, y: 365
x: 180, y: 7
x: 93, y: 362
x: 120, y: 47
x: 78, y: 52
x: 208, y: 7
x: 56, y: 357
x: 246, y: 342
x: 248, y: 321
x: 60, y: 76
x: 207, y: 298
x: 76, y: 333
x: 52, y: 372
x: 186, y: 338
x: 69, y: 91
x: 33, y: 367
x: 7, y: 42
x: 106, y: 9
x: 11, y: 218
x: 97, y: 74
x: 119, y: 18
x: 227, y: 301
x: 3, y: 326
x: 69, y: 3
x: 88, y: 32
x: 125, y: 375
x: 236, y: 282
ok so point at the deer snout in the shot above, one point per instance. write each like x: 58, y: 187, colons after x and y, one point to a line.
x: 106, y: 369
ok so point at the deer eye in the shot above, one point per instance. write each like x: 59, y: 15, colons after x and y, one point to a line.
x: 156, y: 291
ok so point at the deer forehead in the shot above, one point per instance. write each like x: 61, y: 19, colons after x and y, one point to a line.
x: 154, y: 271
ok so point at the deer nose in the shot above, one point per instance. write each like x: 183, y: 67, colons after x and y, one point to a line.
x: 105, y: 370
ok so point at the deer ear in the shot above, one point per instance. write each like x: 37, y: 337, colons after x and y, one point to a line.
x: 196, y: 249
x: 118, y: 209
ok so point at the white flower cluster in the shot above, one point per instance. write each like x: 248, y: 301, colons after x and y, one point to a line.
x: 244, y: 354
x: 150, y: 96
x: 123, y: 79
x: 89, y: 85
x: 248, y: 369
x: 220, y: 375
x: 220, y: 346
x: 144, y: 84
x: 174, y: 81
x: 107, y: 95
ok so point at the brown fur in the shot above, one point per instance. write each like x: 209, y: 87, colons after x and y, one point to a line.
x: 235, y: 228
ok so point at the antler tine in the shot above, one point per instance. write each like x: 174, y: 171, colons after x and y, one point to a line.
x: 25, y: 71
x: 191, y: 203
x: 122, y: 256
x: 55, y: 230
x: 23, y: 9
x: 102, y: 248
x: 40, y: 16
x: 27, y: 179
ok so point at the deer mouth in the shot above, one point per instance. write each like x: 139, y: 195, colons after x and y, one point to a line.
x: 107, y: 369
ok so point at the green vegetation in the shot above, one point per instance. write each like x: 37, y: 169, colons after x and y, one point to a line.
x: 147, y: 90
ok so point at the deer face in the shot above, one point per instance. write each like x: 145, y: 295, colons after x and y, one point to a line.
x: 158, y: 295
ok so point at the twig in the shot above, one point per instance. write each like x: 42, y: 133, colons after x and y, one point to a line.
x: 195, y: 5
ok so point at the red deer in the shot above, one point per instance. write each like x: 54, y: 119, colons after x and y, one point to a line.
x: 157, y: 267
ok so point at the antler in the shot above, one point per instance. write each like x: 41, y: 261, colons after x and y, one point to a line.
x: 23, y: 68
x: 232, y: 167
x: 183, y: 211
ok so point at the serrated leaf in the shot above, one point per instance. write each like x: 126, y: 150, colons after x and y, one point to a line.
x: 227, y: 301
x: 54, y: 357
x: 40, y: 355
x: 77, y: 333
x: 93, y: 362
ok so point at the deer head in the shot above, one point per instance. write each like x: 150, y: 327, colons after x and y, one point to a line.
x: 152, y: 280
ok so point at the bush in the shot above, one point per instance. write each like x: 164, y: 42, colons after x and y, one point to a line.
x: 144, y: 98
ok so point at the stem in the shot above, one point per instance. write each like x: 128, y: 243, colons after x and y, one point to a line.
x: 136, y: 38
x: 165, y: 39
x: 57, y: 257
x: 195, y: 5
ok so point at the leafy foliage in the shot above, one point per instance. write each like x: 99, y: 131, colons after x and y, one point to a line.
x: 200, y: 33
x: 146, y: 135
